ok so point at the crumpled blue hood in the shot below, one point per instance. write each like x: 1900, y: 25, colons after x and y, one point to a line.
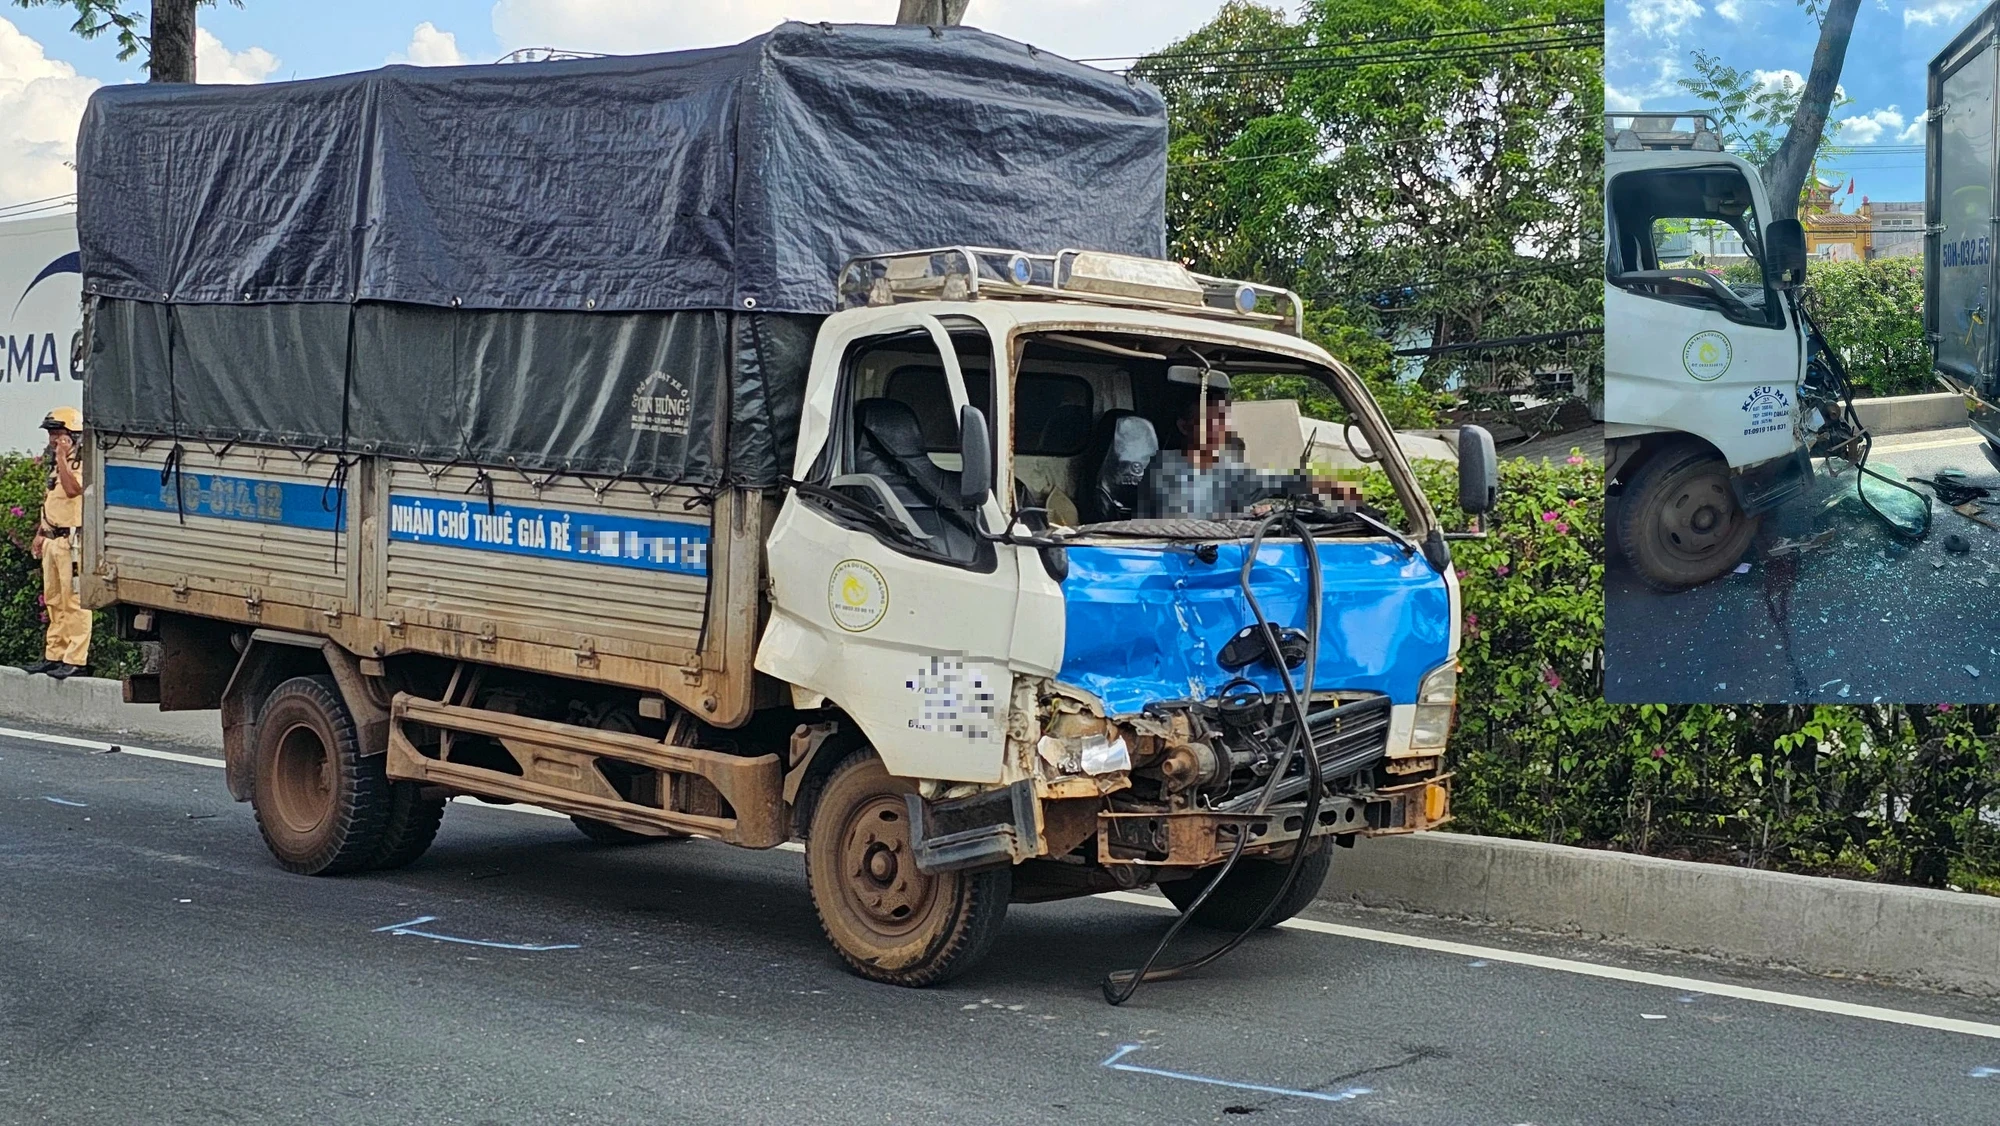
x: 1145, y: 623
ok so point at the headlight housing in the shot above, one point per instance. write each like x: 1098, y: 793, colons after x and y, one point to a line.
x: 1437, y: 700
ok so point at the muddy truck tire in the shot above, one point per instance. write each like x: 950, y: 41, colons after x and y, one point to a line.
x: 1678, y: 522
x: 889, y: 921
x: 409, y: 828
x: 321, y: 805
x: 1247, y: 890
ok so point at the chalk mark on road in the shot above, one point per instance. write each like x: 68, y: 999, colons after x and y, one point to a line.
x: 409, y: 929
x: 1342, y: 1096
x: 66, y: 801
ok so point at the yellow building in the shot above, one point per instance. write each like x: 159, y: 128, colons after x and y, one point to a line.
x: 1874, y: 230
x: 1831, y: 234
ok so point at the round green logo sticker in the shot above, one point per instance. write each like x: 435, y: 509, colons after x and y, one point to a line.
x: 1707, y: 355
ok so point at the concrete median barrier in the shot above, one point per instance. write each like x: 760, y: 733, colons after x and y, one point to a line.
x: 1939, y: 939
x: 1902, y: 414
x: 85, y: 703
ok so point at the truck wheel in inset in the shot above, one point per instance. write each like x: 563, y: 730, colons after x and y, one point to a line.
x: 1678, y: 521
x: 409, y: 828
x: 1248, y: 889
x: 888, y: 921
x: 320, y: 803
x: 605, y: 833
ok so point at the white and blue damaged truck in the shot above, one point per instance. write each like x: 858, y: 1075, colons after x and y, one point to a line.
x: 737, y: 444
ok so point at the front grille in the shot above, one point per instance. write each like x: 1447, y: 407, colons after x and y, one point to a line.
x: 1350, y: 737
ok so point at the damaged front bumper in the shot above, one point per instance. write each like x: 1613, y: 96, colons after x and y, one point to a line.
x: 1199, y: 838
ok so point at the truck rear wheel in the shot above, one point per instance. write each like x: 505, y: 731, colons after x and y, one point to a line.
x: 410, y: 827
x: 1247, y: 891
x: 1678, y: 521
x: 889, y: 921
x: 320, y: 803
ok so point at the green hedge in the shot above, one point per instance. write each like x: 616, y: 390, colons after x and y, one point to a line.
x: 23, y: 482
x: 1873, y: 313
x: 1891, y: 792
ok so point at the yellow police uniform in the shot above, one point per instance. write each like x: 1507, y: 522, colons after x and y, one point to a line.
x: 69, y: 623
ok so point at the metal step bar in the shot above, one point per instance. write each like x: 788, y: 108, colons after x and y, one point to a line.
x: 558, y: 770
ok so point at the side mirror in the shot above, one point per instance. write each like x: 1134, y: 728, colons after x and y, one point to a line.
x: 1478, y: 471
x: 1785, y: 251
x: 975, y: 458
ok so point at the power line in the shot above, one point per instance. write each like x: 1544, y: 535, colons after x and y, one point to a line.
x: 1346, y: 62
x: 1354, y: 41
x: 1363, y: 58
x: 1500, y: 342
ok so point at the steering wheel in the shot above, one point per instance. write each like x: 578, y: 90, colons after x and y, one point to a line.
x: 1707, y: 280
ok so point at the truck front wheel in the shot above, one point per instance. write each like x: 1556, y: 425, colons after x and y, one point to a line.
x: 1678, y: 522
x: 321, y: 804
x: 1249, y: 888
x: 889, y: 921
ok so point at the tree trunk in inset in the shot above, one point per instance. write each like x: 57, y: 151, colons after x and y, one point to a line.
x: 1785, y: 173
x: 173, y: 41
x: 932, y: 13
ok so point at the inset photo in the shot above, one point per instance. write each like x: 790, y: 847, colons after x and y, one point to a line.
x: 1802, y: 481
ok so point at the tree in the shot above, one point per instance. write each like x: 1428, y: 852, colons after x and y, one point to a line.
x: 932, y: 13
x: 1429, y: 173
x: 1785, y: 173
x: 168, y: 44
x: 1751, y: 112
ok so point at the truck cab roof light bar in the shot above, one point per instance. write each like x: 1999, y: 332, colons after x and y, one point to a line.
x: 964, y: 273
x: 1692, y: 131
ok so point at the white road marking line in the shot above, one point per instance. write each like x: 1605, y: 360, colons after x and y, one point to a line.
x: 1338, y: 930
x: 1616, y: 973
x: 1966, y: 438
x: 121, y: 748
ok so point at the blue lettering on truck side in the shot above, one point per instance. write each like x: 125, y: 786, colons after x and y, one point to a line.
x: 1966, y: 252
x: 676, y: 546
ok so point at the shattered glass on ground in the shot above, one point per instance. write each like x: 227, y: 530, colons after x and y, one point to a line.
x: 1835, y: 607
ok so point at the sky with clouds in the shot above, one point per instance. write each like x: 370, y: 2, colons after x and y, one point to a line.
x: 47, y: 73
x: 1650, y: 44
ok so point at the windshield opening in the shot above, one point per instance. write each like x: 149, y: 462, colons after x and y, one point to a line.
x: 1689, y: 237
x: 1133, y: 434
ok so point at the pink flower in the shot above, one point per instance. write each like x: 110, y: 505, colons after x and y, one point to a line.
x: 1548, y: 517
x: 1944, y: 707
x: 1461, y: 572
x: 1472, y: 623
x: 1562, y: 529
x: 1574, y: 459
x: 1550, y: 678
x: 1502, y: 569
x: 17, y: 511
x: 1658, y: 752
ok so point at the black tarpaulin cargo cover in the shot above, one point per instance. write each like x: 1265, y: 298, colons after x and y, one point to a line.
x: 696, y: 180
x: 580, y: 231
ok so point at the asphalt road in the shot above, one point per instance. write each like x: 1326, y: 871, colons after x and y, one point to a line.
x: 1864, y: 619
x: 155, y: 967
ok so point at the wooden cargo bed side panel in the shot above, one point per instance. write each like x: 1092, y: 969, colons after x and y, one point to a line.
x: 254, y: 527
x: 622, y: 570
x: 619, y: 581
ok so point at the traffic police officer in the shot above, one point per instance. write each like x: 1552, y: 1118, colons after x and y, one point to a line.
x: 68, y: 646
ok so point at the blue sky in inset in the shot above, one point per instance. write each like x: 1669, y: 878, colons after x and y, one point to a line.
x: 1651, y: 43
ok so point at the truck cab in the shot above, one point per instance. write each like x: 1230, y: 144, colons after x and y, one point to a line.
x: 1704, y: 425
x: 960, y: 571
